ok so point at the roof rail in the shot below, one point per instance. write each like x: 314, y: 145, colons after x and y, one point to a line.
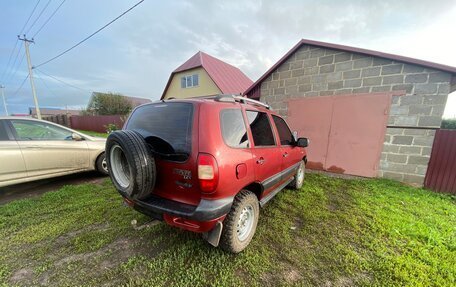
x: 241, y: 99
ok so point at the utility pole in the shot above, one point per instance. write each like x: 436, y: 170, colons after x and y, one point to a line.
x: 4, y: 101
x: 30, y: 68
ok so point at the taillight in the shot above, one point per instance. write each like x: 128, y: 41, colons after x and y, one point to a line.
x: 207, y: 172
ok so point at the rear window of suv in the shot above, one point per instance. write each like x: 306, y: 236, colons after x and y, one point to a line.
x: 167, y: 126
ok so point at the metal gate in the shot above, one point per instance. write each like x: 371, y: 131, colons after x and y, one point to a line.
x: 441, y: 173
x: 346, y: 132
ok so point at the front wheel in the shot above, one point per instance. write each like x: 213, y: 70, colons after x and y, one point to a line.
x: 240, y: 223
x: 298, y: 180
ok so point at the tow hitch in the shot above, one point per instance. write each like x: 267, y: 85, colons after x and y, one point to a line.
x: 134, y: 224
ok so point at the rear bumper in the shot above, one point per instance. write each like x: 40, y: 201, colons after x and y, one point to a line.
x: 206, y: 210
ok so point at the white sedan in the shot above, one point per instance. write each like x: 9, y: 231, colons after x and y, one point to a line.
x: 32, y: 149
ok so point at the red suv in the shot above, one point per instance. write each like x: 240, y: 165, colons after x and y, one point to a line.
x: 206, y: 165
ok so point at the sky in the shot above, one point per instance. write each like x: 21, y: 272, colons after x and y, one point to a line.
x: 136, y: 54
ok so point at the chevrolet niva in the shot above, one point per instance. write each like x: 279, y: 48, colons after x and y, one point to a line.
x: 206, y: 164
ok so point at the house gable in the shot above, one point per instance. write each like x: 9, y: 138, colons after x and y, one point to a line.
x: 226, y: 78
x: 205, y: 87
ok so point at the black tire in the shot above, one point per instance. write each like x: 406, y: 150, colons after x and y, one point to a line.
x: 101, y: 165
x: 230, y: 240
x: 133, y: 171
x: 297, y: 184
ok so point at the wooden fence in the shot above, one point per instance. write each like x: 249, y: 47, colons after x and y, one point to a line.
x: 95, y: 123
x: 441, y: 173
x: 58, y: 119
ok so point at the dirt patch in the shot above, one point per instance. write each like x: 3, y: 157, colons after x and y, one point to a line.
x: 291, y: 275
x: 119, y: 250
x: 335, y: 175
x: 22, y: 275
x: 37, y: 188
x: 68, y: 236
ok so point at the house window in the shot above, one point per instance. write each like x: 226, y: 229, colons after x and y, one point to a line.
x: 189, y: 81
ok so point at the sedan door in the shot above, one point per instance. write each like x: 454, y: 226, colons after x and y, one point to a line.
x: 12, y: 165
x: 48, y: 148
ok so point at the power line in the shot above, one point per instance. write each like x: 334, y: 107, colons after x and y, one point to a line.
x: 20, y: 87
x: 14, y: 63
x: 9, y: 59
x: 17, y: 40
x: 47, y: 87
x: 88, y: 37
x: 49, y: 18
x: 13, y: 73
x: 28, y: 19
x: 59, y: 80
x: 39, y: 16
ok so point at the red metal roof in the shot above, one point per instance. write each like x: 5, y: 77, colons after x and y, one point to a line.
x: 403, y: 59
x: 229, y: 79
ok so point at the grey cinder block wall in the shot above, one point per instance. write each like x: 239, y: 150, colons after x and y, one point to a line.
x: 316, y: 71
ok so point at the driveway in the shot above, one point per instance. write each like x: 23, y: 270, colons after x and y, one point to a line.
x: 35, y: 188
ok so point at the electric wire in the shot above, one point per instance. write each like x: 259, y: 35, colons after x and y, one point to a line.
x: 59, y: 80
x: 48, y: 19
x: 28, y: 19
x: 17, y: 40
x: 20, y: 87
x: 46, y: 86
x: 38, y: 17
x: 88, y: 37
x: 13, y: 73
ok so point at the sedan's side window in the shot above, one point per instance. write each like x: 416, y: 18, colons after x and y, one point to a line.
x: 3, y: 132
x: 34, y: 130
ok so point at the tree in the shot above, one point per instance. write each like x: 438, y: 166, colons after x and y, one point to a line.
x: 449, y: 124
x: 109, y: 104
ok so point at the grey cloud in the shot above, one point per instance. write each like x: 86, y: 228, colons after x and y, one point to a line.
x: 136, y: 55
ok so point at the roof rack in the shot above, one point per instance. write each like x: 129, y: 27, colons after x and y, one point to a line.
x: 236, y: 98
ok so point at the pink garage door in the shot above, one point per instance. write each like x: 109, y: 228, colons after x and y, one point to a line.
x: 346, y: 132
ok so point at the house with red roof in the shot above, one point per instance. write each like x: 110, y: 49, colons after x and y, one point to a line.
x: 204, y: 75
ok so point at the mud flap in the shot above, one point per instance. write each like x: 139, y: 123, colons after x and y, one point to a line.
x: 213, y: 236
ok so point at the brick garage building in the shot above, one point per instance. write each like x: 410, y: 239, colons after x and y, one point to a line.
x: 367, y: 113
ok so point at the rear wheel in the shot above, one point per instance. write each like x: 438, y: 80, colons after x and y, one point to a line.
x: 298, y: 180
x: 131, y: 164
x: 240, y: 223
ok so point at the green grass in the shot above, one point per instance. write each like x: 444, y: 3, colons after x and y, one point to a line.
x: 94, y: 134
x: 334, y: 232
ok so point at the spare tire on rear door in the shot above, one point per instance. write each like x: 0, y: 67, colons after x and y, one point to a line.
x: 131, y: 164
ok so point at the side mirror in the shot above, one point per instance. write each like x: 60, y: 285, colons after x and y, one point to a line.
x: 302, y: 142
x: 295, y: 136
x: 76, y: 137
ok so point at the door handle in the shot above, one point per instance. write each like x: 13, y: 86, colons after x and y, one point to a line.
x: 260, y: 161
x: 285, y: 154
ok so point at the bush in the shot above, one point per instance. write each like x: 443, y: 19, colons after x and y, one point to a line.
x: 449, y: 124
x: 111, y: 127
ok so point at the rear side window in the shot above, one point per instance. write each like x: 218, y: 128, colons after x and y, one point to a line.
x: 3, y: 133
x: 285, y: 135
x: 233, y: 128
x: 166, y: 126
x: 261, y: 128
